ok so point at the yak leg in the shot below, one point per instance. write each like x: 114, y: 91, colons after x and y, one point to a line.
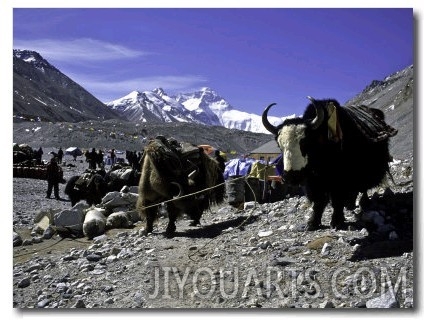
x: 195, y: 214
x: 319, y: 199
x: 196, y: 217
x: 351, y: 198
x: 338, y: 219
x: 314, y: 222
x: 172, y: 216
x: 319, y: 204
x: 74, y: 197
x: 364, y: 202
x: 150, y: 214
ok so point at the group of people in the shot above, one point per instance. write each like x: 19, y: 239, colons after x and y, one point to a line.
x: 133, y: 159
x: 96, y: 159
x: 58, y: 156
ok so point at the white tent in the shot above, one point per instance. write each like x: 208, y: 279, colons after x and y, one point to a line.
x: 73, y: 151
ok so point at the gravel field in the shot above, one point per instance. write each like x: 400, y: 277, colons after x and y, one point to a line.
x: 257, y: 256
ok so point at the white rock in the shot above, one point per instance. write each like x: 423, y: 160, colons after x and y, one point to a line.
x: 116, y: 202
x: 249, y: 205
x: 253, y: 240
x: 71, y: 218
x: 130, y: 197
x: 325, y: 249
x: 111, y: 258
x: 82, y: 205
x: 100, y: 238
x: 111, y: 195
x: 263, y: 234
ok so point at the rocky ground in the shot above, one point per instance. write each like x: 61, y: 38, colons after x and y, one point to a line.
x: 254, y: 256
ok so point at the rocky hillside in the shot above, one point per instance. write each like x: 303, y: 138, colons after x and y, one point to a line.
x: 395, y: 96
x: 44, y: 93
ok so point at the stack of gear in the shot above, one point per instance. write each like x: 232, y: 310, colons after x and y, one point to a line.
x: 371, y: 122
x: 178, y: 162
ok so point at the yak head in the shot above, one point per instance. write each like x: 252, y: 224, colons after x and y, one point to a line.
x: 297, y: 138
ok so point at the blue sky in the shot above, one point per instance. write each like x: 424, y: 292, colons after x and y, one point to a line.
x: 251, y: 57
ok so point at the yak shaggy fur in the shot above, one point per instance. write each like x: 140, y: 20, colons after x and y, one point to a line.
x: 156, y: 187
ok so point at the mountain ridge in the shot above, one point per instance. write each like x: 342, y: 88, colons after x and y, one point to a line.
x: 205, y: 106
x: 41, y: 92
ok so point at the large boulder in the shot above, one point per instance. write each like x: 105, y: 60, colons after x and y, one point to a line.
x: 69, y: 219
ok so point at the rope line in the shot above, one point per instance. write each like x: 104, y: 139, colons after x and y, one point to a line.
x: 36, y: 251
x: 187, y: 195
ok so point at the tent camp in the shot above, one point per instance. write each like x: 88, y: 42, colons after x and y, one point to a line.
x: 73, y: 151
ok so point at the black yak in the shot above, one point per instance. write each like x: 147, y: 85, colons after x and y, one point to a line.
x: 335, y: 153
x: 171, y: 170
x: 90, y: 186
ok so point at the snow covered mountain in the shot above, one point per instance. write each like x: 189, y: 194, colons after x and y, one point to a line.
x: 204, y: 106
x: 151, y: 106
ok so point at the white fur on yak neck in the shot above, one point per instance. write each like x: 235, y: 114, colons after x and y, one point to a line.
x: 289, y: 141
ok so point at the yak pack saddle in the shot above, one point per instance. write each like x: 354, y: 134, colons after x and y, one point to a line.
x: 176, y: 161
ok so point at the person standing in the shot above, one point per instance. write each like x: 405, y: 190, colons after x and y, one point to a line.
x: 113, y: 157
x: 60, y: 155
x: 100, y: 159
x: 92, y: 159
x: 38, y: 155
x: 53, y: 178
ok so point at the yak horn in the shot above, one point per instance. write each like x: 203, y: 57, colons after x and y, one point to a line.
x: 271, y: 128
x: 316, y: 122
x: 180, y: 189
x: 193, y: 174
